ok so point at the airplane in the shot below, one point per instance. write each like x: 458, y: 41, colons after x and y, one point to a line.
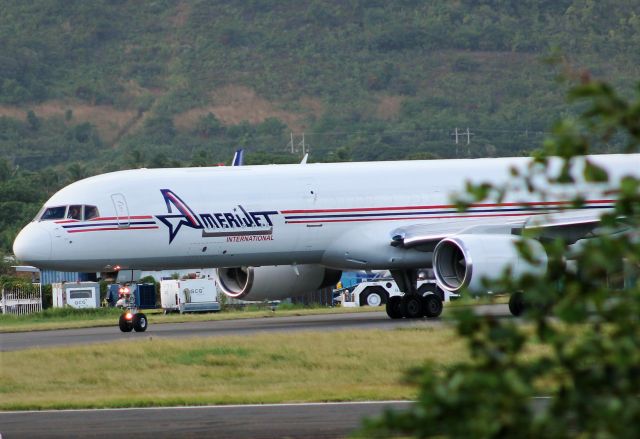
x: 276, y: 231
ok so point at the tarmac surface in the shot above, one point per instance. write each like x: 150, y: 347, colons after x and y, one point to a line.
x: 323, y: 322
x: 331, y: 420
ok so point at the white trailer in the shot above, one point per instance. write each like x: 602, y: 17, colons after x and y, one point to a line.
x: 76, y: 294
x: 377, y: 291
x: 189, y: 295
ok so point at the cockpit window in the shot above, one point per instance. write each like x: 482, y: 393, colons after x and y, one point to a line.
x: 53, y: 213
x: 75, y: 212
x: 90, y: 212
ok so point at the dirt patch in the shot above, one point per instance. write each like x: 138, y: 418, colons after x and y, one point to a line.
x: 388, y: 107
x: 108, y: 120
x: 234, y: 104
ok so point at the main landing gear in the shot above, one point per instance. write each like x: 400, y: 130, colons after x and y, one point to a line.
x: 413, y: 304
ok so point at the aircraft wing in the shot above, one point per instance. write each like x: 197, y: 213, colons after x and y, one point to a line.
x: 570, y: 225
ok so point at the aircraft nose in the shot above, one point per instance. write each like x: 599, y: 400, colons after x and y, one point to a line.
x: 33, y: 244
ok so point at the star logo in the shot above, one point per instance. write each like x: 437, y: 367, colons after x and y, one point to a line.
x: 183, y: 217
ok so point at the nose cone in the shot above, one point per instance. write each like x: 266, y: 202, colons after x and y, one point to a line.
x: 33, y: 245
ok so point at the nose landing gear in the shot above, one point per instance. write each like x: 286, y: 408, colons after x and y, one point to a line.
x: 131, y: 319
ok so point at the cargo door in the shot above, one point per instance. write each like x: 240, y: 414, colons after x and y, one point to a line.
x: 122, y: 210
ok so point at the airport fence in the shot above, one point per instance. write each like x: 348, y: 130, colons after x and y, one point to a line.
x: 21, y: 299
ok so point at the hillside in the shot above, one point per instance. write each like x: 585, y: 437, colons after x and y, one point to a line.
x: 88, y: 87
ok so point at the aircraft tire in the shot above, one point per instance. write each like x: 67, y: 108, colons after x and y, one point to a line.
x: 431, y: 288
x: 140, y: 322
x: 393, y: 307
x: 432, y: 305
x: 373, y: 296
x: 411, y: 306
x: 124, y: 324
x: 516, y: 304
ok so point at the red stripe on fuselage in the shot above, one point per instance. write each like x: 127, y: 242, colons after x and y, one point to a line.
x: 414, y: 218
x: 444, y: 206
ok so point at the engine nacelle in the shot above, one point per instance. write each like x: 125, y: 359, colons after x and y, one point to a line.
x: 463, y: 261
x: 274, y: 282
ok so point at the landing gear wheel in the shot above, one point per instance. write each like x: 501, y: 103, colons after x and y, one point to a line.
x: 125, y: 324
x: 140, y: 322
x: 516, y: 304
x: 411, y: 306
x: 432, y: 305
x: 393, y: 307
x: 431, y: 288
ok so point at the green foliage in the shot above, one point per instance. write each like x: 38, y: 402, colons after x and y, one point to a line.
x: 208, y: 126
x: 590, y: 365
x: 7, y: 281
x: 47, y: 296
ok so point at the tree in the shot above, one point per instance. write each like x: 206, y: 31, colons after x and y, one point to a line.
x: 208, y: 125
x: 160, y: 129
x: 5, y: 169
x: 201, y: 158
x: 590, y: 360
x: 33, y: 121
x: 77, y: 171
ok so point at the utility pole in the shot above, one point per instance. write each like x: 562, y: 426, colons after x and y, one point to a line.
x: 291, y: 142
x: 302, y: 145
x: 455, y: 134
x: 469, y: 134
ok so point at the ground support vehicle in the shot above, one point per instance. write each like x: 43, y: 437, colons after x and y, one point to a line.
x: 385, y: 291
x: 189, y: 295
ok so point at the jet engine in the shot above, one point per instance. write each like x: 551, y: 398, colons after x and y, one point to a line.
x: 463, y: 261
x: 274, y: 282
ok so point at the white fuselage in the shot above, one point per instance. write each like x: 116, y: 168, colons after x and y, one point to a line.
x: 275, y: 214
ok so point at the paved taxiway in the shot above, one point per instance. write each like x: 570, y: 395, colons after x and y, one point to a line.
x: 333, y: 420
x: 323, y: 322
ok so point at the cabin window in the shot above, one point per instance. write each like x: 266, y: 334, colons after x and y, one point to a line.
x: 75, y: 212
x: 90, y: 212
x: 53, y: 213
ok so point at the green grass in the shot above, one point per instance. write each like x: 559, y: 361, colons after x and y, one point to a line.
x: 266, y: 368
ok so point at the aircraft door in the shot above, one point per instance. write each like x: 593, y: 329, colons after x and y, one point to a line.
x: 122, y: 210
x: 310, y: 239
